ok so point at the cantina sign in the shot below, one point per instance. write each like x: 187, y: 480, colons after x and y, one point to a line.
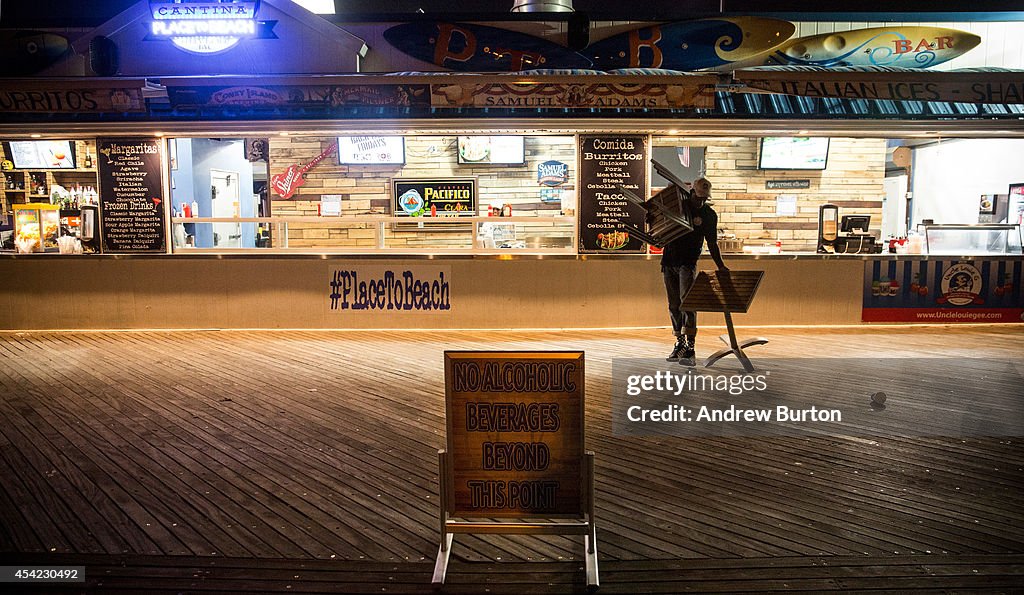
x: 207, y: 27
x: 515, y: 433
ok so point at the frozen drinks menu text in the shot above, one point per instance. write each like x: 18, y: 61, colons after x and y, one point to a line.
x: 606, y: 163
x: 131, y: 195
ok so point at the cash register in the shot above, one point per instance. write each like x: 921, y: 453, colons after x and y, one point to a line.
x: 854, y: 237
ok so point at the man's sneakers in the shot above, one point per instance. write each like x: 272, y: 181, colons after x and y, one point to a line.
x: 688, y: 356
x: 679, y: 349
x: 683, y: 352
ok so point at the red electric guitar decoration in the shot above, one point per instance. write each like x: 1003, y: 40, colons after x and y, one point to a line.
x: 288, y: 182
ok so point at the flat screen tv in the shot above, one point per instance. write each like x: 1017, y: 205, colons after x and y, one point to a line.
x: 793, y: 152
x: 43, y: 154
x: 492, y: 150
x: 371, y: 150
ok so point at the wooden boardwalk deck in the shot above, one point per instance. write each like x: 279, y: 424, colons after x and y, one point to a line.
x: 302, y: 449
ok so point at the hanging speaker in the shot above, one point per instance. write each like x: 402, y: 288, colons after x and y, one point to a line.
x: 579, y: 31
x: 901, y: 156
x: 103, y: 56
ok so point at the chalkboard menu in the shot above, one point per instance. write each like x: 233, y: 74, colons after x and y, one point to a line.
x: 131, y: 195
x: 607, y: 162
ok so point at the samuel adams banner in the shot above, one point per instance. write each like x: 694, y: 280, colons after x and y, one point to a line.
x: 940, y: 291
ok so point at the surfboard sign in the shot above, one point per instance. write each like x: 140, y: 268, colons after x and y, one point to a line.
x: 690, y: 45
x: 28, y: 52
x: 905, y: 47
x: 479, y: 48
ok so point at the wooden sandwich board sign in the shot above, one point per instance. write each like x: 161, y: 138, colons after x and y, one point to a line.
x: 514, y: 461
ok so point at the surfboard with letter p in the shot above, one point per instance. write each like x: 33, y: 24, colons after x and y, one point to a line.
x: 479, y: 48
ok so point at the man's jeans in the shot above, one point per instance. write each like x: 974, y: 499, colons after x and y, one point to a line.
x: 677, y: 282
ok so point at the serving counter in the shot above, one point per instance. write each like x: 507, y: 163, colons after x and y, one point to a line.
x: 233, y: 291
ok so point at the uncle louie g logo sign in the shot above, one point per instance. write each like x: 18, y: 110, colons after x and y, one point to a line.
x: 961, y: 285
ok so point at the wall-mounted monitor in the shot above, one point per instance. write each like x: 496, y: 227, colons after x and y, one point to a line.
x: 793, y: 152
x: 371, y: 150
x: 42, y: 154
x: 492, y: 150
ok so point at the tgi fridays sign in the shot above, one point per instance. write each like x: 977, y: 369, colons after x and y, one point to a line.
x: 574, y: 95
x: 515, y: 433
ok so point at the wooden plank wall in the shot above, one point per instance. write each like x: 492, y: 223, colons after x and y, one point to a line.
x: 367, y: 189
x: 853, y: 180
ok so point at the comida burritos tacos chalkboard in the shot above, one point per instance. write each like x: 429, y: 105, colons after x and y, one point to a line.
x: 607, y: 164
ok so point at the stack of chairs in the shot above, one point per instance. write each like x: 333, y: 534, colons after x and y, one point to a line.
x: 669, y: 214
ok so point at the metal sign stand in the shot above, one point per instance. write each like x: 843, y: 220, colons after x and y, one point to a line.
x: 581, y: 526
x: 726, y: 293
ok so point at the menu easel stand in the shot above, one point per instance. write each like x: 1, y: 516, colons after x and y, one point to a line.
x: 570, y: 526
x: 726, y: 293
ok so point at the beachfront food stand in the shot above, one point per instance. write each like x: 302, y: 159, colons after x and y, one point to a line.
x: 494, y: 200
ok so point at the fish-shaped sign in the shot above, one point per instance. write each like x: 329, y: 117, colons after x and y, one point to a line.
x: 479, y: 48
x: 690, y: 45
x: 28, y: 52
x: 906, y: 47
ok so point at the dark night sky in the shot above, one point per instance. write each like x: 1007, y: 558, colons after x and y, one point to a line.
x: 24, y: 13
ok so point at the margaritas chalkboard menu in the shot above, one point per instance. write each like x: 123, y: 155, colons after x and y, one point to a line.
x: 131, y: 195
x: 607, y: 162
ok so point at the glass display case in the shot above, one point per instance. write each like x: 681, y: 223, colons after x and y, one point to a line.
x: 964, y: 240
x: 36, y: 227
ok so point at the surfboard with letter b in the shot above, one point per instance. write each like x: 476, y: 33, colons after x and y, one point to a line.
x: 691, y: 45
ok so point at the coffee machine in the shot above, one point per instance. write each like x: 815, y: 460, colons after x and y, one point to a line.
x: 828, y: 228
